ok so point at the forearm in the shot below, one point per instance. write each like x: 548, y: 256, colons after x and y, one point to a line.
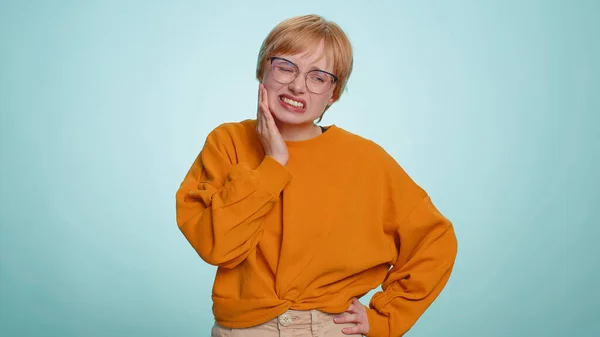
x: 224, y: 224
x: 427, y: 254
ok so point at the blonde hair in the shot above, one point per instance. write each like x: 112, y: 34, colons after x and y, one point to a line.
x: 304, y: 33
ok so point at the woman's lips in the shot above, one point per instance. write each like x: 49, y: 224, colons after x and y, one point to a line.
x: 292, y: 104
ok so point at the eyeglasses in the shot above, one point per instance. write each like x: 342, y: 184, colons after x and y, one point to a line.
x: 285, y: 72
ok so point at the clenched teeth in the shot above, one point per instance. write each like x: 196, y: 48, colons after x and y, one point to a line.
x: 292, y: 102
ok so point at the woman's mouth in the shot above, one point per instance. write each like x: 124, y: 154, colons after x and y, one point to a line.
x: 292, y: 104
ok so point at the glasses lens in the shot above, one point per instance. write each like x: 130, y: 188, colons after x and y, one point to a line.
x: 286, y: 72
x: 319, y: 81
x: 283, y: 71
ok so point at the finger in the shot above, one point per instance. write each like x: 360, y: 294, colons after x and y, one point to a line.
x: 263, y: 111
x: 352, y: 308
x: 355, y: 330
x: 258, y: 108
x: 268, y: 122
x: 270, y: 125
x: 262, y: 123
x: 265, y: 96
x: 259, y: 121
x: 355, y: 306
x: 346, y: 318
x: 265, y: 104
x: 259, y: 93
x: 261, y: 105
x: 260, y: 86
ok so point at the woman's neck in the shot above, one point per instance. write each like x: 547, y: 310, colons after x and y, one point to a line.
x: 301, y: 132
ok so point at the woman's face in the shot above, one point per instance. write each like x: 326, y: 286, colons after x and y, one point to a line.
x: 294, y: 103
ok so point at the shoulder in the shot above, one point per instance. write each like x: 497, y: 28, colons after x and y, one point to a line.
x: 376, y: 160
x: 366, y: 149
x: 233, y: 130
x: 232, y: 138
x: 233, y: 134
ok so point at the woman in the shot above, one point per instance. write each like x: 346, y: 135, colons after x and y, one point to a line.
x: 303, y: 220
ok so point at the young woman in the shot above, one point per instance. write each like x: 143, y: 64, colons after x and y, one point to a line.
x: 303, y: 220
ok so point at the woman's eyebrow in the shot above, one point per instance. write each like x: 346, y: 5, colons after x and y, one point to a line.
x: 309, y: 69
x: 283, y: 58
x: 316, y: 68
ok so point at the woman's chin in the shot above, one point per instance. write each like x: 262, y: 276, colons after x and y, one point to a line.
x: 291, y: 118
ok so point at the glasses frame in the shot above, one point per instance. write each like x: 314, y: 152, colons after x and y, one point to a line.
x: 335, y: 78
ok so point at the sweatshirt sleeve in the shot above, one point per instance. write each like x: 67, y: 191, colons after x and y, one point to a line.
x: 427, y: 249
x: 220, y: 204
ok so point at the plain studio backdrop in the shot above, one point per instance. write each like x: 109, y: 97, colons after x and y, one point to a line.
x: 491, y: 106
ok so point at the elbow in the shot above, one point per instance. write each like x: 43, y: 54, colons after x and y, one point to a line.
x: 453, y: 243
x: 220, y: 260
x: 228, y: 253
x: 220, y: 256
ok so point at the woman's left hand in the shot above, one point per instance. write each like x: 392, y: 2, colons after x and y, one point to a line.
x: 356, y: 313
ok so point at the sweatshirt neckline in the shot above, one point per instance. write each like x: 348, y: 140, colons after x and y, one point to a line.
x: 320, y: 139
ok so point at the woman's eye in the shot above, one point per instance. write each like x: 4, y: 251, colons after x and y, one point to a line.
x: 317, y: 78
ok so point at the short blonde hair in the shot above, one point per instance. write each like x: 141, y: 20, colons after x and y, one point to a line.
x: 304, y: 33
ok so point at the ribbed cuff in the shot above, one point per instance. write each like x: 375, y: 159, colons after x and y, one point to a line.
x: 379, y: 325
x: 272, y: 175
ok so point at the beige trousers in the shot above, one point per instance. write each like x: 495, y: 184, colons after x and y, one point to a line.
x: 293, y: 323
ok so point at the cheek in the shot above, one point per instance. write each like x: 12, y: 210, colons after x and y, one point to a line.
x: 272, y: 89
x: 320, y: 102
x: 272, y: 93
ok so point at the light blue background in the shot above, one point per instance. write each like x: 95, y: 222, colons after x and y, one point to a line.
x: 491, y: 106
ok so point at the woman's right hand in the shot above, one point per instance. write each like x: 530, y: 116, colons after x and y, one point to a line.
x: 268, y: 133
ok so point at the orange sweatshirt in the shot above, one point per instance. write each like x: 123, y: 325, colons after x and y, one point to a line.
x: 338, y: 220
